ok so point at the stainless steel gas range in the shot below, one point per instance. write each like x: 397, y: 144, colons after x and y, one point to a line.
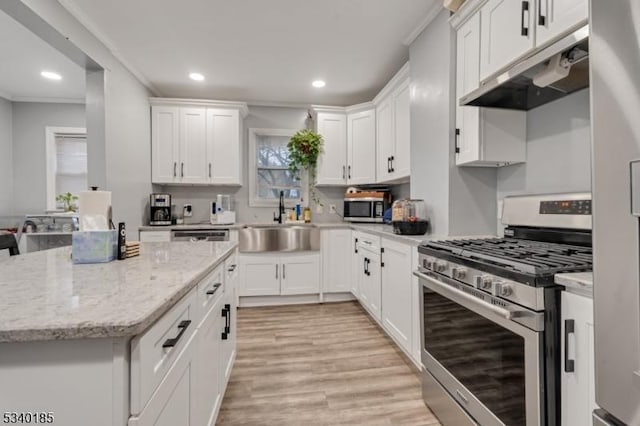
x: 490, y: 313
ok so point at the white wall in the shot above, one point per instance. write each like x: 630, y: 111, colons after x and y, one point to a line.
x: 558, y: 150
x: 29, y: 149
x: 461, y: 201
x: 122, y: 106
x: 6, y: 157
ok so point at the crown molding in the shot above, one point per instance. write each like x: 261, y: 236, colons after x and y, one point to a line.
x: 433, y: 11
x: 84, y: 20
x: 462, y: 15
x: 241, y: 106
x: 48, y: 100
x: 401, y: 76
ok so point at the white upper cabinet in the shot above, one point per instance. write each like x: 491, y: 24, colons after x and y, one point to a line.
x: 484, y: 136
x: 393, y: 129
x: 555, y: 17
x: 193, y: 145
x: 164, y: 143
x: 507, y: 32
x: 196, y: 142
x: 224, y: 146
x: 332, y: 163
x: 361, y: 147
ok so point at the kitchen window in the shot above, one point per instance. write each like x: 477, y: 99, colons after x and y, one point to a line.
x: 66, y: 163
x: 269, y: 168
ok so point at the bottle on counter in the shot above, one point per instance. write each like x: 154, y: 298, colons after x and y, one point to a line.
x: 307, y: 215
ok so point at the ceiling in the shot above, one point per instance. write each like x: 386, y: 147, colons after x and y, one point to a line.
x: 24, y: 55
x: 257, y: 50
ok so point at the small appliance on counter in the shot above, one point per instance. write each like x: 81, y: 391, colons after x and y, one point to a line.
x: 409, y: 217
x: 223, y: 210
x: 160, y: 209
x: 366, y: 206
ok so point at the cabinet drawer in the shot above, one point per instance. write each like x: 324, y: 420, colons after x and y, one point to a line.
x: 368, y: 241
x: 231, y: 267
x: 209, y: 290
x: 154, y: 352
x: 155, y: 236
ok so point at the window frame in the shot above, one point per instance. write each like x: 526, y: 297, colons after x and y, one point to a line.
x: 50, y: 149
x: 254, y: 200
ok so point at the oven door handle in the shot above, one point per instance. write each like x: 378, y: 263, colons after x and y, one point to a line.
x: 460, y: 296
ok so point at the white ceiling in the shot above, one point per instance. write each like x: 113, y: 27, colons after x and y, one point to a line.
x: 258, y: 50
x: 23, y: 56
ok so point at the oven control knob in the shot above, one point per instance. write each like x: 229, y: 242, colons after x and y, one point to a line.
x: 483, y: 282
x: 458, y: 273
x: 440, y: 266
x: 503, y: 289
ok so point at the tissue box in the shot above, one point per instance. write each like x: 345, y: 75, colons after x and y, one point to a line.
x: 94, y: 246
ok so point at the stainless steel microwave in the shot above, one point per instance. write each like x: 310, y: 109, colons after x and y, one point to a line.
x: 365, y: 209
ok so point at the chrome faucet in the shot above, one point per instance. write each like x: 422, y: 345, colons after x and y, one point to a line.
x: 281, y: 211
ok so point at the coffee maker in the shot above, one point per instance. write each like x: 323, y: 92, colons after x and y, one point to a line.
x: 160, y: 205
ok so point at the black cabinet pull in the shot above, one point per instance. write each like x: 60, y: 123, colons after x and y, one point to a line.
x: 381, y: 260
x: 392, y: 160
x: 276, y: 272
x: 216, y: 286
x: 569, y: 328
x: 457, y: 143
x: 169, y: 343
x: 542, y: 20
x: 344, y: 172
x: 367, y: 261
x: 284, y: 276
x: 388, y: 164
x: 174, y: 168
x: 209, y: 169
x: 349, y: 172
x: 225, y: 315
x: 355, y: 246
x: 232, y: 268
x: 181, y: 169
x: 524, y: 31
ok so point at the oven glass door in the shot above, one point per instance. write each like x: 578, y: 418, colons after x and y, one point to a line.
x: 488, y: 359
x: 358, y: 209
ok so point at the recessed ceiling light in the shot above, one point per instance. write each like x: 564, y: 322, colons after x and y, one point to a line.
x: 196, y: 76
x: 318, y: 83
x: 51, y: 75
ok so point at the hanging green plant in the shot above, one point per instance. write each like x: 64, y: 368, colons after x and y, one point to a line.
x: 68, y: 200
x: 304, y: 148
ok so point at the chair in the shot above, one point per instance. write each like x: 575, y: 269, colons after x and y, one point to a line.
x: 8, y: 241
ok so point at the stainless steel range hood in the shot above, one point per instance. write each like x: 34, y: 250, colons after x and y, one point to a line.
x: 566, y: 61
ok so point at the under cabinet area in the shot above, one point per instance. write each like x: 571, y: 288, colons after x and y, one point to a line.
x: 196, y: 142
x: 578, y: 360
x: 279, y: 274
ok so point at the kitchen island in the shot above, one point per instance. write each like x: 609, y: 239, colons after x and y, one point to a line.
x: 117, y: 343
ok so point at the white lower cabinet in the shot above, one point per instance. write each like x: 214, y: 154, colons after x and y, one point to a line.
x: 336, y: 247
x: 369, y: 281
x: 356, y: 265
x: 397, y: 294
x: 275, y: 274
x: 578, y: 367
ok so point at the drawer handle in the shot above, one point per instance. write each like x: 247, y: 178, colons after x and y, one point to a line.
x: 232, y: 268
x: 215, y: 288
x: 226, y: 313
x: 524, y: 31
x: 569, y: 328
x: 169, y: 343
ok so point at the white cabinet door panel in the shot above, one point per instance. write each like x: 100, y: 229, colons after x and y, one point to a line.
x: 165, y: 144
x: 332, y: 162
x: 193, y: 167
x: 207, y: 390
x: 397, y: 289
x: 385, y: 139
x: 336, y: 260
x: 556, y: 17
x: 362, y: 147
x: 300, y: 274
x: 224, y: 146
x: 502, y: 38
x: 259, y: 275
x: 401, y: 164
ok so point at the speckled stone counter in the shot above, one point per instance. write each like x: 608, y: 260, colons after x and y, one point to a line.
x: 44, y: 296
x: 579, y: 283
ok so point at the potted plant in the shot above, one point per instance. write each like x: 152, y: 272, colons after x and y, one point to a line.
x: 304, y: 148
x: 68, y: 200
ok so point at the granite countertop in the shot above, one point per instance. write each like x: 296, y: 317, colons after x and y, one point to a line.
x: 46, y: 297
x: 578, y: 282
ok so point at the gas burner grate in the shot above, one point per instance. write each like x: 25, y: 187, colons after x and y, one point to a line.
x: 533, y: 257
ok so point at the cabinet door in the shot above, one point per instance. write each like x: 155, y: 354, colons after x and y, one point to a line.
x: 507, y: 33
x: 373, y: 285
x: 556, y: 17
x: 300, y: 273
x: 397, y: 315
x: 385, y: 139
x: 336, y: 260
x: 193, y: 167
x: 363, y: 283
x: 259, y: 275
x: 467, y: 80
x: 165, y: 138
x: 361, y: 128
x: 207, y: 393
x: 578, y: 386
x: 356, y: 266
x: 224, y: 146
x: 227, y: 338
x: 332, y: 163
x: 400, y: 161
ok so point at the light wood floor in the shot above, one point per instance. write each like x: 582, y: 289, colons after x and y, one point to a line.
x: 319, y: 365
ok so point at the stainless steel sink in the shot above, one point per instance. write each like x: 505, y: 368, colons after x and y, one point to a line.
x: 270, y: 238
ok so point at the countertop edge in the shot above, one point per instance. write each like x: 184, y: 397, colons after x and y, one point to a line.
x: 576, y: 283
x: 125, y: 330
